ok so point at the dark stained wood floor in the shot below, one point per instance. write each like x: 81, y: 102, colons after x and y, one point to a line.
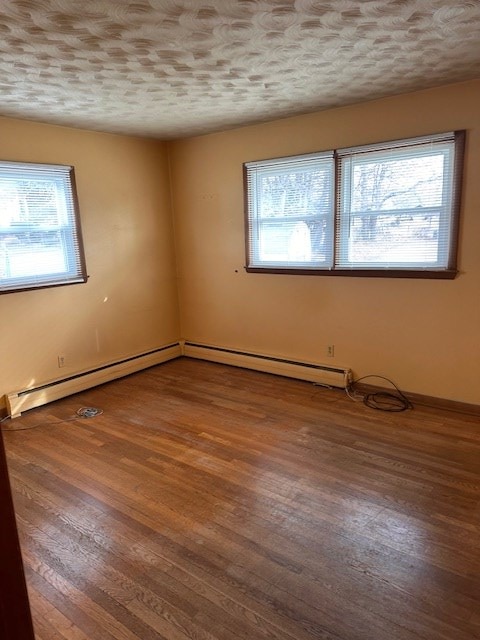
x: 213, y: 503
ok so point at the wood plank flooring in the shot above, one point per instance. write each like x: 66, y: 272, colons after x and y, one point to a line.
x: 212, y: 503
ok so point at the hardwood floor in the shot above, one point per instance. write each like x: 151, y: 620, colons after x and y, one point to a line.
x: 213, y: 503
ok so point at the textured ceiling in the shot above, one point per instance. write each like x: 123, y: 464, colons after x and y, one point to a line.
x: 175, y: 68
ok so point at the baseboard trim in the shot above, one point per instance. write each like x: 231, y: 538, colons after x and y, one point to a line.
x: 310, y: 371
x: 13, y: 404
x: 20, y: 401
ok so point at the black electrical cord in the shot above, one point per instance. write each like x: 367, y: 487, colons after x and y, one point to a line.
x: 380, y: 400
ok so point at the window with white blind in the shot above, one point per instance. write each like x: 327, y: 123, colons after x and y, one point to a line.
x: 40, y: 236
x: 290, y: 204
x: 388, y: 209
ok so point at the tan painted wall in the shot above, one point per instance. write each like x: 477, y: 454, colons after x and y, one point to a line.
x: 129, y: 304
x: 423, y: 334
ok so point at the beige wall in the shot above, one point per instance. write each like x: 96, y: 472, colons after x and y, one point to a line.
x: 129, y: 304
x: 423, y: 334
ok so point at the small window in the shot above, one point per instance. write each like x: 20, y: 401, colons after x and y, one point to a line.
x: 40, y: 236
x: 290, y: 204
x: 394, y: 211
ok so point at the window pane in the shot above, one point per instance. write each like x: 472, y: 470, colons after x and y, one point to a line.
x: 295, y: 242
x: 293, y: 194
x: 22, y: 254
x: 398, y: 183
x: 395, y: 240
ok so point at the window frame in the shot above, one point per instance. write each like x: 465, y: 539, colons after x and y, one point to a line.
x: 70, y: 232
x: 278, y: 167
x: 450, y: 271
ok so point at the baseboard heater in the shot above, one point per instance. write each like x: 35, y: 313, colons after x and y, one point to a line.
x: 318, y: 373
x: 35, y: 397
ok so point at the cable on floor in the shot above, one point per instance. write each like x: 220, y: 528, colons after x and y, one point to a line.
x: 83, y: 412
x: 379, y: 400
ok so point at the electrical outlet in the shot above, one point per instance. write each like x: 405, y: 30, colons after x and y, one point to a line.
x: 61, y: 361
x: 330, y: 350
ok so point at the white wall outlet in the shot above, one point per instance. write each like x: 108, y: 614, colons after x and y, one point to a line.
x: 330, y: 350
x: 61, y: 361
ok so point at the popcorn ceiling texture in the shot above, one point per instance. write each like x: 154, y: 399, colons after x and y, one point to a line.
x: 176, y: 68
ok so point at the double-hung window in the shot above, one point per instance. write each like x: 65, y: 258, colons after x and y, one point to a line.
x: 290, y: 203
x: 388, y: 209
x: 40, y: 236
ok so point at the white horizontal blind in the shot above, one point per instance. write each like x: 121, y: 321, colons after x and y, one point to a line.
x: 395, y: 204
x: 290, y: 211
x: 40, y: 237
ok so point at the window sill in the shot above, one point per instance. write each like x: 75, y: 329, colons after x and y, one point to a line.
x: 443, y: 274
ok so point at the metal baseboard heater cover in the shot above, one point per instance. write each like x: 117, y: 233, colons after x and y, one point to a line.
x: 318, y: 373
x: 35, y: 397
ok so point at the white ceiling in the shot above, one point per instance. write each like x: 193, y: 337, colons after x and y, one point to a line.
x: 176, y: 68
